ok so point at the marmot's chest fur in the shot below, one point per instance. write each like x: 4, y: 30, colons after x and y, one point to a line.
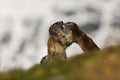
x: 56, y: 51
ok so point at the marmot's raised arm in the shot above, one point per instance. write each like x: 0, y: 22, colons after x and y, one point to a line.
x: 85, y: 42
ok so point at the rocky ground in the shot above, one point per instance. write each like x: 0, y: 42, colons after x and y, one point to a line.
x: 97, y: 65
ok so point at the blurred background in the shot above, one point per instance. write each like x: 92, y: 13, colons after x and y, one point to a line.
x: 24, y: 27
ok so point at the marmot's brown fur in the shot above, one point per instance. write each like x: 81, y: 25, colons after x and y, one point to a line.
x: 57, y: 43
x: 85, y: 42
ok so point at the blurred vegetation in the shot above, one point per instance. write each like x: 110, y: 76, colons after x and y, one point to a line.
x: 97, y: 65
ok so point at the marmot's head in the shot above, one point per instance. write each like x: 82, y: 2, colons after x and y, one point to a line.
x: 71, y: 26
x: 76, y: 31
x: 54, y: 28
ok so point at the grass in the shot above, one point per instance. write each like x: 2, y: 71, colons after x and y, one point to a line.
x: 96, y: 65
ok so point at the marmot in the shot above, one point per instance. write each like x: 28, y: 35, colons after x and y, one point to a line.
x: 57, y: 43
x: 85, y: 42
